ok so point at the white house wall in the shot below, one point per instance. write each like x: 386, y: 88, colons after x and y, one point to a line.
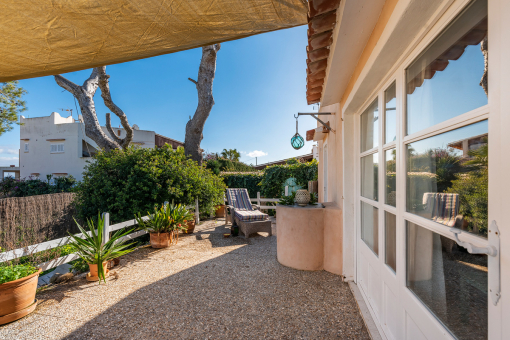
x: 38, y: 132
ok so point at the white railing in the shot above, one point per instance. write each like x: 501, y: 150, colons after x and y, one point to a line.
x: 36, y: 248
x: 260, y: 200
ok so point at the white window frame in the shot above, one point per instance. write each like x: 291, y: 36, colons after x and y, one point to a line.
x: 26, y: 148
x: 57, y: 148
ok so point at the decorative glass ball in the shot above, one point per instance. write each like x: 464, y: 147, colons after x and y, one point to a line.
x: 297, y: 141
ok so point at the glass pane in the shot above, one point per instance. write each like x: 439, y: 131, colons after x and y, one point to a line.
x: 390, y: 114
x: 391, y: 177
x: 370, y: 226
x: 369, y: 173
x: 446, y: 79
x: 390, y: 240
x: 370, y: 127
x: 451, y: 282
x: 447, y: 178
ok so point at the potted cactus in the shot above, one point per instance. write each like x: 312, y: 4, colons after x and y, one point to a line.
x: 91, y: 247
x: 18, y: 284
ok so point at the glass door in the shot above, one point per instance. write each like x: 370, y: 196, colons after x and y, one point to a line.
x: 423, y: 202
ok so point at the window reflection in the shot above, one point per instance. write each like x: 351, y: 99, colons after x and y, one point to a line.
x: 450, y: 77
x: 447, y: 178
x: 390, y: 114
x: 391, y: 177
x: 451, y: 282
x: 370, y: 226
x: 369, y: 174
x: 390, y: 240
x: 370, y: 127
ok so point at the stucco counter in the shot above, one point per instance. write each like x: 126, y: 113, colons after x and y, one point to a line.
x: 300, y: 237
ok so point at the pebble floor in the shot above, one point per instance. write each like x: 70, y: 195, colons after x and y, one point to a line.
x: 205, y: 287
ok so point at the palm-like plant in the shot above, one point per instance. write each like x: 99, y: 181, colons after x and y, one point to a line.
x: 158, y: 222
x: 92, y: 248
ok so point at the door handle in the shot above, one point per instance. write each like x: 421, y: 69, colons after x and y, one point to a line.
x: 472, y: 249
x: 493, y: 265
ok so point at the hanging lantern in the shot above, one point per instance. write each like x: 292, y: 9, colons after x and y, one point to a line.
x: 297, y: 141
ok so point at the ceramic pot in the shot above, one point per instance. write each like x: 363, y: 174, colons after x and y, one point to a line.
x: 191, y: 227
x: 160, y: 240
x: 220, y: 211
x: 93, y: 275
x: 17, y: 298
x: 302, y: 197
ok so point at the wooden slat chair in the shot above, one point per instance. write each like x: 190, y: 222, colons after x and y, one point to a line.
x: 248, y: 217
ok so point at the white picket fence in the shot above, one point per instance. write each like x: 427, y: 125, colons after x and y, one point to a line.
x: 260, y: 200
x: 20, y: 252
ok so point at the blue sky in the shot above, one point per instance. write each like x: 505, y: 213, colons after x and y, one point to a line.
x: 260, y: 84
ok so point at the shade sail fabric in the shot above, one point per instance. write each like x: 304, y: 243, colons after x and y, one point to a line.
x: 46, y: 37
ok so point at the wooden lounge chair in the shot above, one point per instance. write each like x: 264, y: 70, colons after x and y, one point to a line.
x: 248, y: 217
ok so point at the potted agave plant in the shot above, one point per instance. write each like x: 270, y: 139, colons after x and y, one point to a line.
x: 164, y: 224
x: 158, y: 225
x: 18, y: 284
x: 91, y: 247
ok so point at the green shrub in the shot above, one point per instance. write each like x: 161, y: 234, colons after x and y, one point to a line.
x: 15, y: 272
x: 249, y: 181
x: 272, y: 184
x: 222, y: 164
x: 133, y: 181
x: 11, y: 187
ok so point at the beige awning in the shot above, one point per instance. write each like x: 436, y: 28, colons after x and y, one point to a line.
x: 45, y: 37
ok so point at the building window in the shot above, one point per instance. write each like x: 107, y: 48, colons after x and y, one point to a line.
x: 26, y: 147
x: 57, y: 148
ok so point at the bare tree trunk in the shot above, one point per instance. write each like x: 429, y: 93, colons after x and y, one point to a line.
x: 85, y: 96
x: 204, y: 84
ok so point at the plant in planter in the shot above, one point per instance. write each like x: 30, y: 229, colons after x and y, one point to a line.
x: 184, y: 219
x: 18, y: 285
x: 95, y: 252
x: 158, y: 226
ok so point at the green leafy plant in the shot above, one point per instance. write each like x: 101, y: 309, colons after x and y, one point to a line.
x: 132, y: 181
x: 288, y: 200
x: 15, y: 272
x: 165, y: 219
x: 247, y: 180
x: 314, y: 198
x: 11, y: 104
x: 92, y: 248
x: 11, y: 187
x: 272, y: 184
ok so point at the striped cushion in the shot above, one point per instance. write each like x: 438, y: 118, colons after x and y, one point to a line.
x: 239, y: 199
x: 254, y: 215
x: 443, y: 207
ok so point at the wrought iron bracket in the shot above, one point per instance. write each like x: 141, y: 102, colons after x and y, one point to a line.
x: 314, y: 115
x: 492, y: 250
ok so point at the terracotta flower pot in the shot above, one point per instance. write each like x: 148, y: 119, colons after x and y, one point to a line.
x: 94, y: 273
x: 220, y: 210
x: 160, y: 240
x: 17, y: 298
x: 190, y: 227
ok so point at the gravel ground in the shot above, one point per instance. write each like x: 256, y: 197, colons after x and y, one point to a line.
x: 205, y: 287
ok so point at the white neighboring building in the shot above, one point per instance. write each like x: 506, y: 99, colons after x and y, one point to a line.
x: 57, y: 146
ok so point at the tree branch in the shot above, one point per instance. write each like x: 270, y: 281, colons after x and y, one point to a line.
x: 90, y: 85
x: 66, y: 84
x: 110, y: 130
x: 193, y: 81
x: 107, y: 98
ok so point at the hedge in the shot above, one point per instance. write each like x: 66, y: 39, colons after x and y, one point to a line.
x: 133, y: 181
x: 272, y: 184
x: 248, y: 180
